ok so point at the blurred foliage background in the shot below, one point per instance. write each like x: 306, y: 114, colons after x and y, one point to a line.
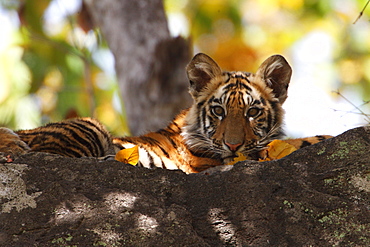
x: 55, y: 64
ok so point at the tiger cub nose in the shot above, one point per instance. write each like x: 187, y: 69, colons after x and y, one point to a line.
x: 233, y: 147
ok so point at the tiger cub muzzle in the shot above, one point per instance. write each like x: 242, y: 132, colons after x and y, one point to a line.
x: 234, y: 132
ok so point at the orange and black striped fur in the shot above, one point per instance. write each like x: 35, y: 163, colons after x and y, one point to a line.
x: 11, y: 144
x: 80, y: 137
x: 307, y: 141
x: 233, y: 112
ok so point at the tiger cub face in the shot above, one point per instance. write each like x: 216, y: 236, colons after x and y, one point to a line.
x: 235, y: 112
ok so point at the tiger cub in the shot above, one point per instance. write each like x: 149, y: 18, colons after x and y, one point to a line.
x: 80, y: 137
x: 233, y: 112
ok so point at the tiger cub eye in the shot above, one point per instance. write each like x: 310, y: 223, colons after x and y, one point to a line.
x: 218, y: 111
x: 253, y: 112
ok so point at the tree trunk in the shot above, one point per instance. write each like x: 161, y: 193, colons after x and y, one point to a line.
x: 149, y: 63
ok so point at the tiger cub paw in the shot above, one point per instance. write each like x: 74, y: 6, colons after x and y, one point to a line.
x: 11, y: 145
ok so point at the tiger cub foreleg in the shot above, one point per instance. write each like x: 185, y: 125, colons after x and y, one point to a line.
x: 306, y: 141
x: 280, y: 148
x: 157, y: 150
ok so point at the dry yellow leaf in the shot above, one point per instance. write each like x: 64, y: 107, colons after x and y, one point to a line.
x: 240, y: 157
x: 277, y: 149
x: 128, y: 155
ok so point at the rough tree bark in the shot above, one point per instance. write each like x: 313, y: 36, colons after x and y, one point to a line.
x: 317, y: 196
x: 149, y: 63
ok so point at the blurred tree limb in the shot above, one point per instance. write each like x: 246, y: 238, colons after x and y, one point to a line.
x: 149, y: 62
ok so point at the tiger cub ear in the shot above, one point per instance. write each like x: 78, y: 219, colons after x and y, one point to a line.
x: 276, y: 73
x: 200, y: 71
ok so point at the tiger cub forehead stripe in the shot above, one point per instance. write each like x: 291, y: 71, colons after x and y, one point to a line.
x: 237, y: 85
x: 240, y: 74
x: 235, y: 99
x: 256, y: 102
